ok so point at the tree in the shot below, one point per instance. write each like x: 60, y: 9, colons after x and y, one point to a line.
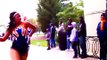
x: 63, y: 0
x: 47, y: 10
x: 35, y: 23
x: 70, y: 11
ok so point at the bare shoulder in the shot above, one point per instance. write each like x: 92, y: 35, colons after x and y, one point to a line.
x: 27, y: 23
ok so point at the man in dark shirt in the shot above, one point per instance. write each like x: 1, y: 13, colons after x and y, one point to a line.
x: 102, y: 35
x: 82, y: 36
x: 52, y: 30
x: 68, y: 32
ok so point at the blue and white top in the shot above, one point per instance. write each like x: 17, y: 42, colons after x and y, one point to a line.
x: 20, y: 36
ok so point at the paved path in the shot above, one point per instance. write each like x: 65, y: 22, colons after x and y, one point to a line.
x: 39, y: 53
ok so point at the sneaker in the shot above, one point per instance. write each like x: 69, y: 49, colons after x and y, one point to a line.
x: 68, y: 50
x: 74, y: 56
x: 48, y: 48
x: 83, y: 56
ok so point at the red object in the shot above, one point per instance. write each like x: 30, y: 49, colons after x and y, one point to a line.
x: 25, y: 18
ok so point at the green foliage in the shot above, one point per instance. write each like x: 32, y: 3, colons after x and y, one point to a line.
x: 39, y: 42
x: 47, y: 12
x: 63, y: 0
x: 33, y: 21
x: 53, y: 10
x: 70, y: 11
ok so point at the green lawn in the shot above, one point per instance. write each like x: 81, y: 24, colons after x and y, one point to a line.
x: 39, y: 42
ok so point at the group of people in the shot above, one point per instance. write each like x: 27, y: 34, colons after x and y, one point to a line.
x: 76, y: 36
x: 69, y: 35
x: 50, y: 34
x: 72, y: 35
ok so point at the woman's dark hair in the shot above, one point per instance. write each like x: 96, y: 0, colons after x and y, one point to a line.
x: 70, y: 19
x: 12, y: 21
x: 82, y: 19
x: 60, y: 22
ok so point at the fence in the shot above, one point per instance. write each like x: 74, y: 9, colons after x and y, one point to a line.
x: 93, y: 46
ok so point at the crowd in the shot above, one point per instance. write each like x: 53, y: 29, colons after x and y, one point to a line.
x: 69, y: 36
x: 72, y: 34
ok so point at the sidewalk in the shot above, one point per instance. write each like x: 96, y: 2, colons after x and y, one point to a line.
x: 39, y: 53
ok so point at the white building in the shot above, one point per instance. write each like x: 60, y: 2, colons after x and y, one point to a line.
x: 92, y: 12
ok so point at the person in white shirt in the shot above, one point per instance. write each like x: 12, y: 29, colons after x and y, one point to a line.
x: 60, y: 27
x: 61, y: 36
x: 74, y: 39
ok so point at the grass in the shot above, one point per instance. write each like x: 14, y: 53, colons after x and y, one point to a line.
x: 39, y: 42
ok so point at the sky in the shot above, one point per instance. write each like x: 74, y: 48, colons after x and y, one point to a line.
x: 24, y: 7
x: 74, y: 1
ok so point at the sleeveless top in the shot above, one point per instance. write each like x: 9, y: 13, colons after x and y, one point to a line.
x: 20, y: 37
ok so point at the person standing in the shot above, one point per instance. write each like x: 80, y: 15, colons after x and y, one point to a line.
x: 68, y: 32
x: 48, y: 35
x: 61, y: 36
x: 102, y: 35
x: 52, y: 31
x: 82, y: 36
x: 74, y: 39
x: 19, y: 31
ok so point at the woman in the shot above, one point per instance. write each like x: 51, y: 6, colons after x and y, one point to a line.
x: 61, y: 36
x: 82, y: 36
x: 19, y: 31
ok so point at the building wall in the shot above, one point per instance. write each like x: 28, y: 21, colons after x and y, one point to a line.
x: 92, y: 12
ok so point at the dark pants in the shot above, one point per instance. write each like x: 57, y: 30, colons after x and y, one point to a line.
x: 103, y: 48
x: 82, y: 43
x: 67, y: 40
x: 48, y: 43
x: 75, y: 48
x: 52, y: 41
x: 62, y: 40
